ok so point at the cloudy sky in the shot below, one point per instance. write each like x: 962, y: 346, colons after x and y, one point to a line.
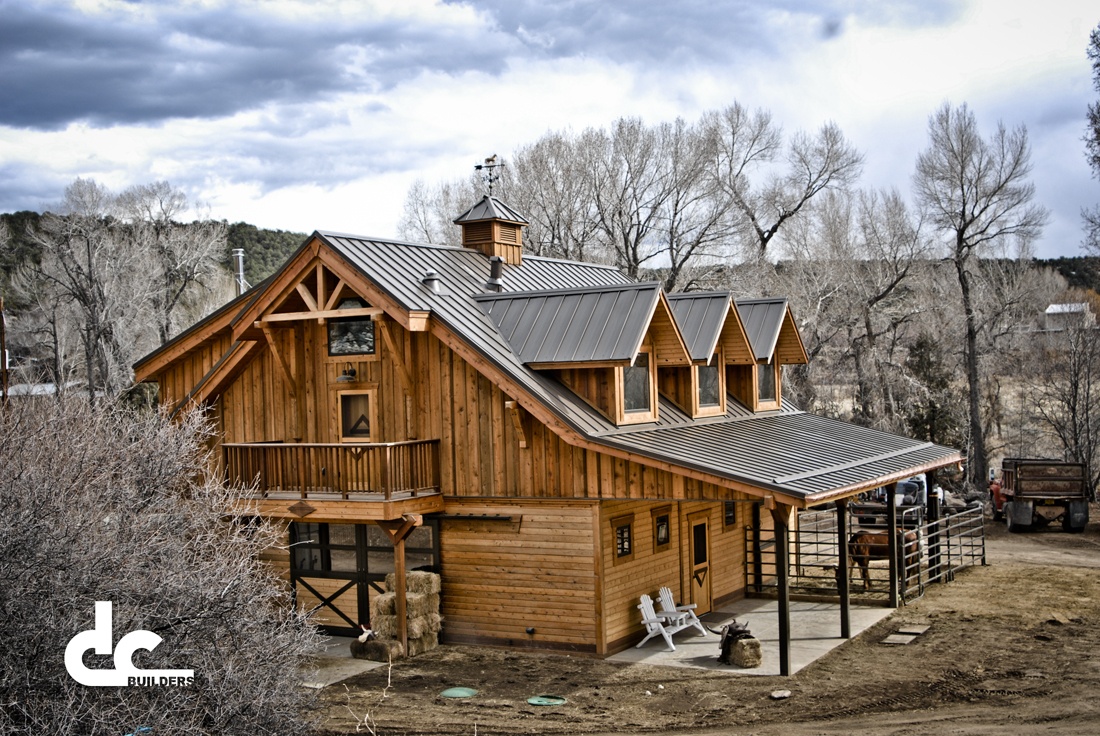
x: 306, y: 115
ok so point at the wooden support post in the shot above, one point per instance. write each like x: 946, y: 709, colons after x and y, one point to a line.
x: 892, y: 536
x: 843, y: 584
x: 398, y: 530
x: 782, y: 515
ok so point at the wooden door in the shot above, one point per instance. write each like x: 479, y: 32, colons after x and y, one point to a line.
x: 700, y: 564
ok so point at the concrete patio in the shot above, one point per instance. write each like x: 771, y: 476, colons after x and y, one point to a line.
x: 815, y: 631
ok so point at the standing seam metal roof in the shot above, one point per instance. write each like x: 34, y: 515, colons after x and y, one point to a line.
x: 701, y: 316
x: 763, y: 319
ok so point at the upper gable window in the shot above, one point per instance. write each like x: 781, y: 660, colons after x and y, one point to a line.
x: 351, y: 335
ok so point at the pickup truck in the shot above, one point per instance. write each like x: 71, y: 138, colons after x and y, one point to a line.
x: 1033, y: 493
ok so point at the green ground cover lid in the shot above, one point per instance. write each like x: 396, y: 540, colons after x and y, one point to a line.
x: 546, y: 700
x: 459, y: 692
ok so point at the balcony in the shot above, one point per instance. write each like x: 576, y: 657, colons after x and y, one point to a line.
x: 316, y: 475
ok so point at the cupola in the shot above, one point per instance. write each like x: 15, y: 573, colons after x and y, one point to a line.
x: 493, y: 228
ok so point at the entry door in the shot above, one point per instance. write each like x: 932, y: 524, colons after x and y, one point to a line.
x: 700, y: 565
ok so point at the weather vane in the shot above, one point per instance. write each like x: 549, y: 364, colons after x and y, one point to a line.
x: 489, y: 169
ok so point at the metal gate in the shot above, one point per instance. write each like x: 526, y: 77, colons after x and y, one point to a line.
x: 952, y: 542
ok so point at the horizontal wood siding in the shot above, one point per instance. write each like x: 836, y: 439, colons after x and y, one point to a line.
x: 501, y: 576
x: 645, y: 572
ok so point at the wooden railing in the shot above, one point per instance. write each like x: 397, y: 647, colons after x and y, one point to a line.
x: 350, y: 470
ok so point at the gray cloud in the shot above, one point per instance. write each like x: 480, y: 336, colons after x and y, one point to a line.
x: 63, y: 66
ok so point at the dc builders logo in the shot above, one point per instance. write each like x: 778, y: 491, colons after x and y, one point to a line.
x: 124, y: 674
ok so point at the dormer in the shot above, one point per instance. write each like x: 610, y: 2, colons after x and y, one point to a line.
x: 775, y: 342
x: 603, y: 343
x: 493, y: 228
x: 715, y: 338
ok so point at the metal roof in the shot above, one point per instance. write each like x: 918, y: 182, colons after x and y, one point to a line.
x: 786, y: 451
x: 700, y: 316
x: 491, y: 208
x: 603, y: 323
x: 762, y: 318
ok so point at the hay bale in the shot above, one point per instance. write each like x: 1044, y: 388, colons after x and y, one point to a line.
x: 417, y: 581
x: 385, y: 627
x: 416, y: 605
x: 419, y: 605
x: 423, y: 644
x: 746, y: 653
x: 384, y: 604
x: 377, y: 650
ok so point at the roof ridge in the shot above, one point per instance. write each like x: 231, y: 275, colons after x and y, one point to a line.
x: 639, y: 285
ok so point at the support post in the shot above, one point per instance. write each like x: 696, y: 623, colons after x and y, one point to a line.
x: 757, y: 551
x: 782, y: 515
x: 933, y: 532
x: 892, y: 542
x: 843, y: 584
x: 398, y: 531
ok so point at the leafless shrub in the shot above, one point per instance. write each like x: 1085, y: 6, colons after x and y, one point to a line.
x: 102, y: 504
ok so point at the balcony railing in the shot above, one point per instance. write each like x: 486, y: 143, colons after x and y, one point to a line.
x: 349, y: 471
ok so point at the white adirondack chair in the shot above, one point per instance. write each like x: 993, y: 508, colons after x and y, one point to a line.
x: 660, y: 623
x: 687, y: 610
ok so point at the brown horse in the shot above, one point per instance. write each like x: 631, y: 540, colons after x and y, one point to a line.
x: 864, y: 546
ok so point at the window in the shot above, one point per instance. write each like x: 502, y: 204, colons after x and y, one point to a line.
x: 623, y: 543
x: 351, y: 335
x: 709, y: 389
x: 662, y: 528
x: 622, y: 528
x: 637, y: 394
x: 351, y: 548
x: 356, y: 415
x: 729, y: 515
x: 765, y: 383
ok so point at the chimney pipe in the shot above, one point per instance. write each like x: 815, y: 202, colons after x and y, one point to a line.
x: 238, y: 257
x: 496, y: 273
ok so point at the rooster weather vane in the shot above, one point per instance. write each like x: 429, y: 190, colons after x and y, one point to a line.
x: 489, y: 171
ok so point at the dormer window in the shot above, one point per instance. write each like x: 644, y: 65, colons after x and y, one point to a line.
x: 767, y: 385
x: 710, y: 389
x: 639, y: 389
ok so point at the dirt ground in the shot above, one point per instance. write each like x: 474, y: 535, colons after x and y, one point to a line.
x: 1012, y: 649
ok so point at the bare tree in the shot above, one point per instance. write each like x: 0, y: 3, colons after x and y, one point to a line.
x: 1092, y: 144
x: 178, y: 257
x: 976, y: 192
x: 749, y: 145
x: 102, y: 505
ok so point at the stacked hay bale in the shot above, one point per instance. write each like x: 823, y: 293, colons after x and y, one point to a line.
x: 423, y: 621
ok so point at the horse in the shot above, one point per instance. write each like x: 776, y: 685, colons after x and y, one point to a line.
x: 864, y: 546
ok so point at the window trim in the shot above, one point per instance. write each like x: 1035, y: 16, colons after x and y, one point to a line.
x: 655, y: 516
x: 767, y: 404
x: 698, y: 410
x: 727, y: 525
x: 331, y: 357
x: 372, y: 410
x: 637, y: 417
x: 619, y: 522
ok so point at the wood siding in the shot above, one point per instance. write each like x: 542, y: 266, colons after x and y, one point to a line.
x: 510, y: 566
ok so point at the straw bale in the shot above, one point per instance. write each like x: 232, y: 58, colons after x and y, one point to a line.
x: 746, y: 652
x: 377, y: 650
x: 423, y: 644
x: 384, y: 604
x: 417, y: 581
x: 385, y: 627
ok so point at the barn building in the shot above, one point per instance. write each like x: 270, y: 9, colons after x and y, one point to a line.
x: 552, y: 437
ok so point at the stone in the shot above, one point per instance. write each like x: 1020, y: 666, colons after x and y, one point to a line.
x: 780, y: 694
x: 899, y: 639
x: 746, y: 653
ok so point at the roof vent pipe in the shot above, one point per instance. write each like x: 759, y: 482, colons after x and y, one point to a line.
x: 432, y: 281
x: 496, y: 273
